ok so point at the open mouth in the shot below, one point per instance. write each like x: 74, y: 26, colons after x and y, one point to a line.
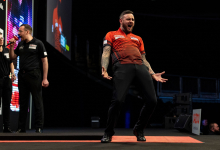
x: 129, y: 27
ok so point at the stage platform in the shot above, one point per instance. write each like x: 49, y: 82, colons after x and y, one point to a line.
x: 64, y: 137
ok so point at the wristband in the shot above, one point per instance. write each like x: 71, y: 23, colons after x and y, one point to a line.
x: 152, y: 73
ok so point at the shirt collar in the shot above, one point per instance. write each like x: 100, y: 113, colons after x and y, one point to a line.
x: 120, y: 30
x: 31, y: 41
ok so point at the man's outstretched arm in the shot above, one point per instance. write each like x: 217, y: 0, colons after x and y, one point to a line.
x: 146, y: 63
x: 155, y: 76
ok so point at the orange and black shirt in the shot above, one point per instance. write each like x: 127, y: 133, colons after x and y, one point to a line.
x: 126, y: 48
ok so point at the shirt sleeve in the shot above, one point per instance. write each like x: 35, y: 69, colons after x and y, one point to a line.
x: 16, y: 51
x: 107, y: 40
x: 141, y: 47
x: 41, y: 49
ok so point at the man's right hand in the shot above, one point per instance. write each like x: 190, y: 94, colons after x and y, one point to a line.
x: 12, y: 41
x: 105, y: 74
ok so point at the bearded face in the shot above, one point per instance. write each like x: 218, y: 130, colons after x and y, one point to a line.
x: 127, y: 23
x: 22, y: 33
x: 216, y: 127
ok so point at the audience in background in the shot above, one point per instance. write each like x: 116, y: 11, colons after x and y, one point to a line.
x: 214, y: 129
x: 204, y: 127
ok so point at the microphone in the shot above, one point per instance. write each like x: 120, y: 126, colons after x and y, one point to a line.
x: 15, y: 37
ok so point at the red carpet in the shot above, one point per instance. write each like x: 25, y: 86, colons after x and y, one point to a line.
x: 157, y: 139
x: 123, y: 139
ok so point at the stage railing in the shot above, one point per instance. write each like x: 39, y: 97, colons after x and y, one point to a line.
x: 200, y: 87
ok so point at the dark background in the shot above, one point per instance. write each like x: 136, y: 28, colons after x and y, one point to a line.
x: 2, y: 16
x: 180, y: 37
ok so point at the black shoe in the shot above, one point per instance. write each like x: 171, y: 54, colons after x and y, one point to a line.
x: 106, y: 138
x: 139, y: 134
x: 39, y: 130
x: 21, y: 131
x: 7, y: 130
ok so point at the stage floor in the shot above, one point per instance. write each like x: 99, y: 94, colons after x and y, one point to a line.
x: 89, y: 138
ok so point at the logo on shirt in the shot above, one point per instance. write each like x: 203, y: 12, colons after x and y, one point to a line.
x: 104, y: 42
x: 32, y: 46
x: 1, y: 6
x: 21, y: 47
x: 133, y: 38
x: 6, y: 55
x: 118, y: 36
x: 45, y: 53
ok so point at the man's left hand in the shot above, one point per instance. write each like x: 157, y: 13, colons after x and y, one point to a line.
x: 158, y: 77
x: 45, y: 83
x: 13, y: 77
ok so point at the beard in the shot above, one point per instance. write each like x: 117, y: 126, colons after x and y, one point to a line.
x: 22, y: 39
x: 125, y: 27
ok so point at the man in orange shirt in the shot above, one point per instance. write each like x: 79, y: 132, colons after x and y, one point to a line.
x: 129, y: 62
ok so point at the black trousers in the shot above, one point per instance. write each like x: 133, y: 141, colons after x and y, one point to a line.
x: 5, y: 94
x: 123, y: 75
x: 30, y: 81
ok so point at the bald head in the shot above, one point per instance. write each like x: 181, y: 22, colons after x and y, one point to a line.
x: 214, y: 127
